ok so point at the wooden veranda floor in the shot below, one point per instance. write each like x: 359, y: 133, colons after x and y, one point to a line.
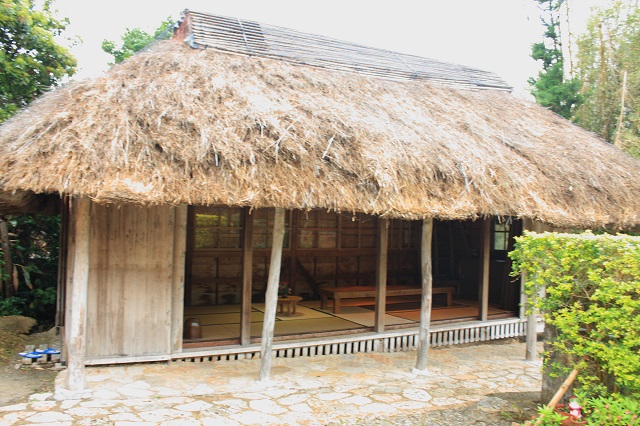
x: 222, y: 322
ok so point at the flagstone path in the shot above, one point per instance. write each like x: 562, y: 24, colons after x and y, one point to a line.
x: 334, y: 389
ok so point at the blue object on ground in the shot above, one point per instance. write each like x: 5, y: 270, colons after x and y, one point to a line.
x: 32, y: 355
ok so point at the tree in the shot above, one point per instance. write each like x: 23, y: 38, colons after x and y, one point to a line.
x: 135, y: 40
x: 608, y: 63
x: 31, y: 62
x: 34, y: 246
x: 30, y: 59
x: 551, y: 89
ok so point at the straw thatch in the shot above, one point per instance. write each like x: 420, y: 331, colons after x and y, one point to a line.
x: 183, y: 126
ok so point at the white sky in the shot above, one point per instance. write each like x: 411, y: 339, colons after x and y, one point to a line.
x: 493, y: 35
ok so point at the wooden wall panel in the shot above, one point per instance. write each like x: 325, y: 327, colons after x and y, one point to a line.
x: 130, y: 294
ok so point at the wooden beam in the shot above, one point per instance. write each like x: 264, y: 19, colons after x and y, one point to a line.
x: 271, y: 296
x: 483, y: 292
x: 247, y: 272
x: 77, y: 318
x: 426, y: 261
x: 178, y: 278
x: 382, y: 247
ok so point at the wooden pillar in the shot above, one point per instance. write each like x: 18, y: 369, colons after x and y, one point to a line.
x: 382, y: 245
x: 532, y: 337
x: 77, y: 320
x: 532, y: 319
x: 62, y: 265
x: 427, y: 296
x: 271, y: 296
x: 178, y: 278
x: 483, y: 293
x: 247, y: 271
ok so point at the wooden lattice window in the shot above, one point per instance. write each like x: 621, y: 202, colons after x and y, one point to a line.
x: 358, y: 231
x: 501, y: 232
x: 217, y: 227
x: 317, y: 229
x: 263, y: 228
x: 404, y: 234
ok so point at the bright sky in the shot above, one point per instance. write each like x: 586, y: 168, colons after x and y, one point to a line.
x: 493, y: 35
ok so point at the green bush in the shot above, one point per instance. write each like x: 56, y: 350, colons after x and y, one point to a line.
x: 588, y: 287
x: 12, y: 306
x: 613, y: 410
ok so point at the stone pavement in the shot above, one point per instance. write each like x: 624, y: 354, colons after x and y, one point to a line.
x: 302, y: 391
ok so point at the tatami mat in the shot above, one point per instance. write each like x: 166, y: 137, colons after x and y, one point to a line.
x: 302, y: 313
x: 447, y: 313
x: 209, y: 309
x: 306, y: 326
x: 220, y: 332
x: 364, y: 317
x: 231, y: 318
x: 222, y: 322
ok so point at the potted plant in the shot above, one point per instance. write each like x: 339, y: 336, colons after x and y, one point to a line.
x: 283, y: 289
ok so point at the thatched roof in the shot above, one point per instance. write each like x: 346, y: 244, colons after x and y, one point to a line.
x: 177, y: 125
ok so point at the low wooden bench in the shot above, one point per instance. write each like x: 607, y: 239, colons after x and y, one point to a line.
x: 354, y: 292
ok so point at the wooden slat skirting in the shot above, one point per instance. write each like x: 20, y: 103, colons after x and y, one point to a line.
x: 391, y: 341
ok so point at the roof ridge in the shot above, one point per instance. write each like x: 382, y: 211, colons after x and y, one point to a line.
x: 252, y: 38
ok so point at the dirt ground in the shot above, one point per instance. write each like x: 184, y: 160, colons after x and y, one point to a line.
x: 16, y: 385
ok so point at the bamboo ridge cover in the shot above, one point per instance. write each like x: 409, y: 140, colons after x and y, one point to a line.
x: 256, y: 39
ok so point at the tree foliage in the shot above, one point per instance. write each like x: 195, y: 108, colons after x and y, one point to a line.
x: 550, y: 88
x: 591, y: 288
x: 610, y: 48
x: 34, y: 241
x: 135, y: 40
x: 31, y: 62
x: 30, y: 59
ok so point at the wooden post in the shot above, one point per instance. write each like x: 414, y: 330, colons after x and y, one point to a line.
x: 178, y: 277
x: 427, y: 296
x: 271, y: 296
x: 532, y: 323
x: 532, y: 337
x: 382, y: 242
x: 532, y: 318
x: 62, y: 263
x: 247, y: 271
x: 77, y: 320
x: 483, y: 292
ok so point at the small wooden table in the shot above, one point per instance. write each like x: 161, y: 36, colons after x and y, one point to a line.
x: 290, y: 301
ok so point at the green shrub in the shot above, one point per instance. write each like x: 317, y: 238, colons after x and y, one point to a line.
x: 588, y: 287
x: 12, y: 306
x: 549, y: 417
x: 613, y: 410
